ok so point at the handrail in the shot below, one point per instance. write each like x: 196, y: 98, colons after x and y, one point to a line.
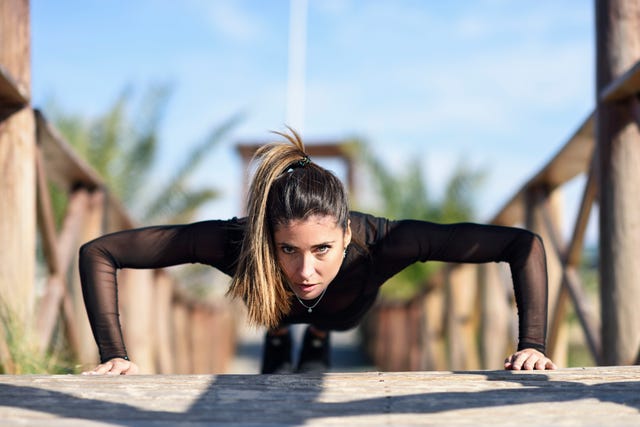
x: 92, y: 211
x: 441, y: 331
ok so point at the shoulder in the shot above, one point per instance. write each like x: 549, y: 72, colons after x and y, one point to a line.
x: 229, y: 224
x: 368, y: 228
x: 208, y: 231
x: 371, y: 228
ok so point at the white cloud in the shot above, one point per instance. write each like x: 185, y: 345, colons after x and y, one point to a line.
x: 232, y: 19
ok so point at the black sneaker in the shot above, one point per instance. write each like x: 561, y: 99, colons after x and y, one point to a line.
x: 276, y: 354
x: 315, y: 354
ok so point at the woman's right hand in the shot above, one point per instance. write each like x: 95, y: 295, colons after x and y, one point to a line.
x: 116, y: 366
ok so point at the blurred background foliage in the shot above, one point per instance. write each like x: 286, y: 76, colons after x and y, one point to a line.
x: 122, y: 146
x: 406, y: 195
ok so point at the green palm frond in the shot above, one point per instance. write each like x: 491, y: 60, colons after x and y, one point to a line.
x: 185, y: 205
x: 122, y: 146
x: 141, y: 152
x: 406, y: 195
x: 165, y: 201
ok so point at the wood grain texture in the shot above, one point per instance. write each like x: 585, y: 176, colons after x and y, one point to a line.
x: 569, y: 397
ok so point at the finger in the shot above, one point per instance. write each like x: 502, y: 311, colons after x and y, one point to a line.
x: 131, y: 370
x: 542, y: 364
x: 531, y: 362
x: 517, y: 360
x: 508, y: 364
x: 101, y: 369
x: 119, y: 367
x: 115, y: 370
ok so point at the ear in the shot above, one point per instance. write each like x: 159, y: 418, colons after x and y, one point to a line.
x: 347, y: 235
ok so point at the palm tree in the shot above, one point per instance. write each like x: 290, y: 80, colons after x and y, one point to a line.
x: 406, y: 195
x: 123, y: 150
x: 122, y: 147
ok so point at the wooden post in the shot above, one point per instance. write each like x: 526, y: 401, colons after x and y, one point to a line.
x: 201, y: 345
x: 396, y: 339
x: 461, y: 303
x: 91, y: 221
x: 135, y: 293
x: 416, y: 334
x: 181, y: 337
x: 60, y: 252
x: 17, y: 160
x: 539, y: 200
x: 434, y: 351
x: 162, y: 324
x: 496, y: 316
x: 618, y: 140
x: 381, y: 358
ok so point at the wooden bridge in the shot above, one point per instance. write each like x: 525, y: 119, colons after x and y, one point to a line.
x: 414, y: 334
x: 603, y: 396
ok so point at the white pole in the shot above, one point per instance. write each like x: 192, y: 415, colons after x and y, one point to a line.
x: 297, y: 58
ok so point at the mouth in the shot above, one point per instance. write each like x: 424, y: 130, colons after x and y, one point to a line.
x: 307, y: 288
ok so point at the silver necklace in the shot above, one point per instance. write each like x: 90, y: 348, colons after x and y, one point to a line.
x: 311, y: 307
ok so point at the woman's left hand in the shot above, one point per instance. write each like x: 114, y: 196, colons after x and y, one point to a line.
x: 528, y: 359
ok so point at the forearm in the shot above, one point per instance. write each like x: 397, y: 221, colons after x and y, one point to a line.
x: 150, y: 247
x: 100, y: 294
x: 479, y: 243
x: 529, y: 271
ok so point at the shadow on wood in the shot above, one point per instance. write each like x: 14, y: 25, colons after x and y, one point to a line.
x: 596, y: 396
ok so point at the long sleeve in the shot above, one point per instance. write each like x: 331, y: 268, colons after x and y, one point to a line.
x: 409, y: 241
x: 209, y: 242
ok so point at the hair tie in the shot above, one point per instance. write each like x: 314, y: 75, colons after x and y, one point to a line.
x: 299, y: 164
x: 303, y: 162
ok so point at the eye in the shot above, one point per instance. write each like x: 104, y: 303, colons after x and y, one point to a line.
x: 287, y: 250
x: 323, y: 249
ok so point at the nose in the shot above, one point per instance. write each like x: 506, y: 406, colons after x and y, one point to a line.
x: 306, y: 267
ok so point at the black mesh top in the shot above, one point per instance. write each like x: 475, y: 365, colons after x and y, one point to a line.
x: 388, y: 247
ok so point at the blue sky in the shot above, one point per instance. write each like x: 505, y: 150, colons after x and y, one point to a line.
x: 497, y: 84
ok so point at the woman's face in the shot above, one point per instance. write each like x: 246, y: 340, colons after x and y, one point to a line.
x: 310, y: 253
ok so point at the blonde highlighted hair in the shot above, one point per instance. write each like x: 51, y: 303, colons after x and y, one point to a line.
x: 286, y: 186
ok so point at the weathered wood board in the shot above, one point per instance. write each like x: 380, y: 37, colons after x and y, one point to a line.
x: 600, y: 396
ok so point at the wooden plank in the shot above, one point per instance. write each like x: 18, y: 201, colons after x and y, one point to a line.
x: 571, y: 160
x: 74, y: 308
x: 623, y: 87
x: 135, y: 287
x: 460, y: 307
x: 496, y: 315
x: 589, y: 322
x: 163, y: 326
x: 13, y: 96
x: 574, y: 251
x: 18, y: 214
x: 46, y: 223
x: 68, y: 171
x: 568, y: 397
x: 17, y: 168
x: 313, y: 148
x: 15, y: 56
x: 181, y: 337
x: 65, y: 249
x: 343, y: 150
x: 618, y: 145
x: 64, y: 167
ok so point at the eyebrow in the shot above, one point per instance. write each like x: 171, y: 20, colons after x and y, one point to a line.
x: 327, y: 243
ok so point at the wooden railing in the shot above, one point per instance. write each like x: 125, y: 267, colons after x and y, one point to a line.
x: 165, y: 330
x: 466, y: 318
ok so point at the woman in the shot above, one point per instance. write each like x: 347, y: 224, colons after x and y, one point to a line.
x: 300, y: 256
